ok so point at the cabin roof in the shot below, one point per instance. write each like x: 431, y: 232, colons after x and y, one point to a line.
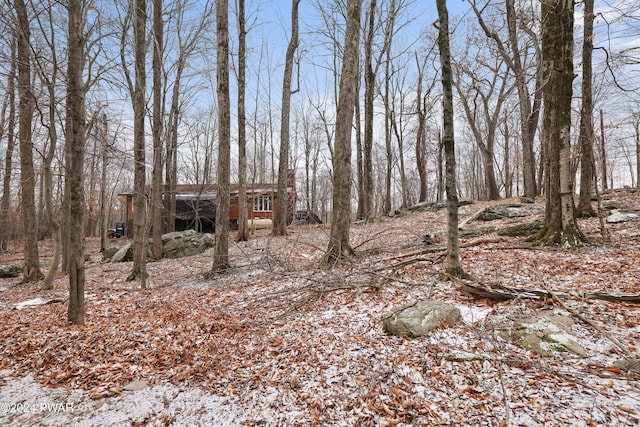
x: 208, y: 191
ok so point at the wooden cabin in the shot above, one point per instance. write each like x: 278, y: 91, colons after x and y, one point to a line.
x: 196, y: 205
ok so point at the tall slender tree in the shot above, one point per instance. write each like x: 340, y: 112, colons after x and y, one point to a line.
x: 453, y: 265
x: 243, y: 226
x: 31, y: 269
x: 157, y: 130
x: 586, y: 116
x: 10, y: 100
x: 339, y: 246
x: 221, y: 250
x: 75, y: 139
x: 529, y: 105
x: 282, y: 205
x: 139, y: 270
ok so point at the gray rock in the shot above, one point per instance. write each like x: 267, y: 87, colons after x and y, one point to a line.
x: 525, y: 229
x: 419, y: 318
x: 175, y: 245
x: 618, y: 216
x: 7, y: 271
x: 547, y: 333
x: 476, y: 232
x: 186, y: 243
x: 109, y: 253
x: 125, y: 253
x: 502, y: 211
x: 631, y: 365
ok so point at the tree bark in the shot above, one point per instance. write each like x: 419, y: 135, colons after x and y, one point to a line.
x: 140, y: 246
x: 157, y: 131
x: 369, y: 87
x: 282, y: 202
x: 585, y: 208
x: 5, y: 206
x: 221, y: 250
x: 31, y: 269
x: 557, y: 49
x: 453, y: 265
x: 75, y: 138
x: 243, y: 226
x: 339, y: 246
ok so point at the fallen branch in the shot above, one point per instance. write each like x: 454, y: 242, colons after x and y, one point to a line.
x: 436, y: 249
x: 500, y: 292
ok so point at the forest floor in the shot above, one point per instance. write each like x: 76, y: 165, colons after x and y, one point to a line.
x: 281, y: 341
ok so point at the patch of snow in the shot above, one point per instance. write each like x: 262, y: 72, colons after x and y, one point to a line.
x: 24, y: 402
x: 472, y: 315
x: 30, y: 303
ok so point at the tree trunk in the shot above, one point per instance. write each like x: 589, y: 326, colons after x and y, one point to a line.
x: 104, y: 210
x: 75, y: 137
x: 557, y: 49
x: 52, y: 214
x: 221, y: 254
x: 453, y: 266
x: 140, y: 237
x: 31, y: 269
x: 421, y: 135
x: 339, y: 246
x: 282, y: 202
x: 369, y: 88
x: 5, y: 206
x: 528, y: 113
x: 603, y: 153
x: 585, y: 209
x: 157, y: 130
x: 508, y: 176
x: 243, y: 226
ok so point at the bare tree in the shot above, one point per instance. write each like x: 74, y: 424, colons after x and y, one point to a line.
x: 31, y: 269
x: 482, y: 101
x: 157, y: 130
x: 529, y: 108
x: 221, y: 254
x: 137, y: 90
x: 339, y: 246
x: 280, y: 220
x: 585, y: 209
x: 453, y: 265
x: 243, y: 229
x: 75, y: 139
x: 187, y: 38
x: 10, y: 100
x: 560, y: 227
x: 422, y: 110
x: 48, y: 74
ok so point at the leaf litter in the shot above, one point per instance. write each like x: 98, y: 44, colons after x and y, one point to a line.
x: 280, y: 341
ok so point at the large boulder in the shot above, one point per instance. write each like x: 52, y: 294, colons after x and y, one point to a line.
x: 618, y: 216
x: 125, y: 253
x: 175, y: 245
x: 513, y: 210
x: 186, y: 243
x: 419, y: 318
x: 7, y: 271
x: 547, y: 332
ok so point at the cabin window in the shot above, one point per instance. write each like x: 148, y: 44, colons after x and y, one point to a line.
x: 262, y: 204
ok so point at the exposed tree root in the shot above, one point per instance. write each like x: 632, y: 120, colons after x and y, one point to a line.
x: 551, y: 236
